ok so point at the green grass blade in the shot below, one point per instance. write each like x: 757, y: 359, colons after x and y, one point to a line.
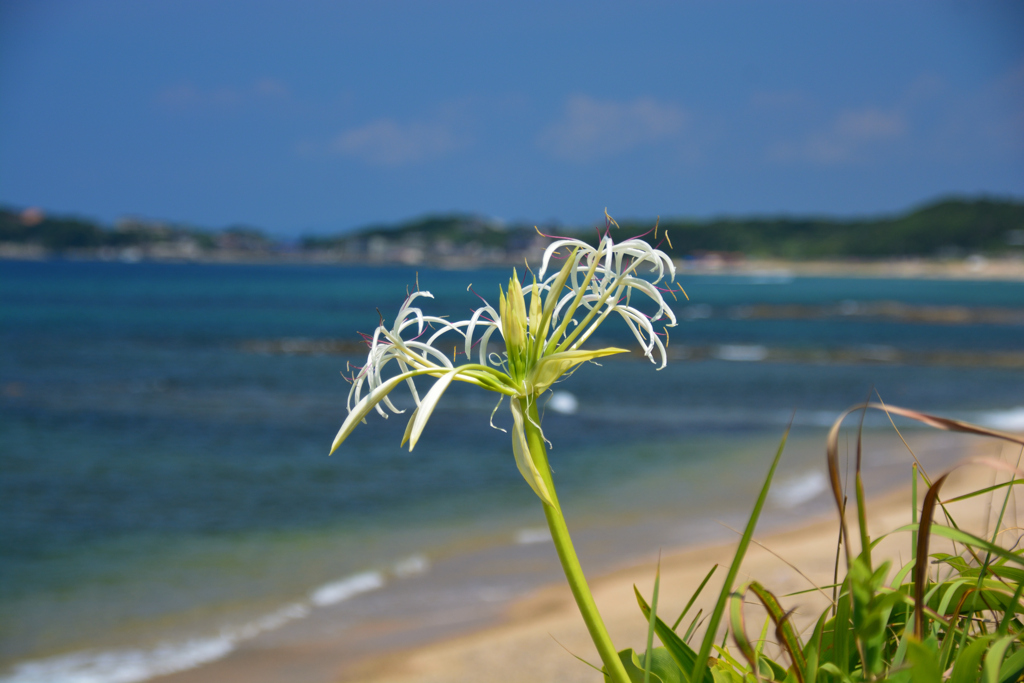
x: 1011, y: 611
x: 763, y: 638
x: 693, y: 598
x: 923, y: 665
x: 649, y: 655
x: 730, y: 578
x: 1012, y: 668
x: 842, y: 635
x: 787, y: 635
x: 994, y: 659
x: 595, y: 668
x: 988, y: 555
x: 902, y: 574
x: 965, y: 668
x: 697, y: 621
x: 981, y: 492
x: 739, y: 630
x: 972, y: 540
x: 678, y: 650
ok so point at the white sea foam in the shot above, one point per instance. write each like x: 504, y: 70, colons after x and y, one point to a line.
x: 1011, y: 420
x: 337, y: 591
x: 131, y: 665
x: 411, y: 566
x: 741, y: 352
x: 274, y: 620
x: 696, y: 312
x: 789, y: 493
x: 528, y: 536
x: 563, y: 402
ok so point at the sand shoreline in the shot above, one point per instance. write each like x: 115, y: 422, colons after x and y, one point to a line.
x: 524, y: 649
x: 971, y: 268
x: 974, y: 267
x: 525, y: 642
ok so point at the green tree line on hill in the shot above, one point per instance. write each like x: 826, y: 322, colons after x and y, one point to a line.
x: 950, y: 227
x: 946, y: 228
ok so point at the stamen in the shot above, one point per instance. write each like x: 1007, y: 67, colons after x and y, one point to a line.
x: 470, y: 289
x: 494, y: 426
x: 528, y: 269
x: 683, y: 291
x: 551, y: 237
x: 668, y: 240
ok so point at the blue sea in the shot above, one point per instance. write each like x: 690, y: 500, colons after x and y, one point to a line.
x: 166, y: 494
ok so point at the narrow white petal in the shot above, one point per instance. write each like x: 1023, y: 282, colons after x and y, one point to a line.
x: 426, y: 408
x: 555, y: 246
x: 408, y: 427
x: 367, y: 403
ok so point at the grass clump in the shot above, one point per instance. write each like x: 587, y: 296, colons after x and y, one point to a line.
x: 940, y: 617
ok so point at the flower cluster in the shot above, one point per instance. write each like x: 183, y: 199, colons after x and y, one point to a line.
x: 543, y: 328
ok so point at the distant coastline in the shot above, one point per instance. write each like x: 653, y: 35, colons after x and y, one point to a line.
x: 974, y: 267
x: 980, y: 238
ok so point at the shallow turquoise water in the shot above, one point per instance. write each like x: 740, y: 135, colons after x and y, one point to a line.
x: 159, y: 482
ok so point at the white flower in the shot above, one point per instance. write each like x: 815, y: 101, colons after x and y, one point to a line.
x: 541, y: 341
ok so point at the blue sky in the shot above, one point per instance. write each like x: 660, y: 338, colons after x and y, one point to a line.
x: 312, y: 117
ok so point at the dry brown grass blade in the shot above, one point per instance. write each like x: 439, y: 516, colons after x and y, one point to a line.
x: 931, y: 498
x: 921, y: 568
x: 943, y: 423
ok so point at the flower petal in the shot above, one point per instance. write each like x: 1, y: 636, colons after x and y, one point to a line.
x: 551, y: 367
x: 426, y: 407
x: 367, y: 403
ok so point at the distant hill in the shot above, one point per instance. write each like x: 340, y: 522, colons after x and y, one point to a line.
x: 453, y: 240
x: 947, y: 228
x: 135, y: 238
x: 950, y: 227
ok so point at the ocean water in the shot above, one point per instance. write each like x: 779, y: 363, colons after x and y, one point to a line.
x: 165, y: 490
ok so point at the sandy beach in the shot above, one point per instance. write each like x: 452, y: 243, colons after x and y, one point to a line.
x: 524, y: 649
x: 529, y: 642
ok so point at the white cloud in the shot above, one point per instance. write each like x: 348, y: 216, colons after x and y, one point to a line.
x: 385, y: 142
x: 869, y: 124
x: 593, y: 128
x: 851, y: 134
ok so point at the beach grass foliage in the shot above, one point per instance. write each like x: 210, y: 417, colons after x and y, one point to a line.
x: 940, y: 617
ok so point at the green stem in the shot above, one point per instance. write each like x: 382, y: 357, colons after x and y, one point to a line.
x: 567, y: 554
